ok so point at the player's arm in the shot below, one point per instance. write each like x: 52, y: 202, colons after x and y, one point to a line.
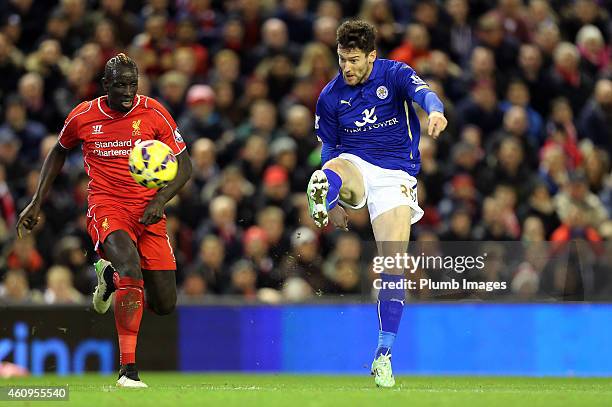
x: 28, y: 218
x: 326, y: 126
x: 155, y: 209
x: 417, y: 89
x: 168, y: 133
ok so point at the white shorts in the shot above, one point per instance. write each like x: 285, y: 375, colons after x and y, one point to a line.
x: 385, y: 189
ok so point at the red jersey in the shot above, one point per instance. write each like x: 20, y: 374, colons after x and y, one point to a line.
x: 107, y: 137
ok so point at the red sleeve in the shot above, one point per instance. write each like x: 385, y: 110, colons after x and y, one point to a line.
x: 166, y: 129
x: 69, y: 137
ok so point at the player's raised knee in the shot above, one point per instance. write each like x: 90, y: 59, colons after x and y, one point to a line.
x: 339, y: 165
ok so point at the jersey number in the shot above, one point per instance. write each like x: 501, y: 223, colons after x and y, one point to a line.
x: 406, y: 191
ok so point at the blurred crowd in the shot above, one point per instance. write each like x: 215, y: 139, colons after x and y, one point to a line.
x: 526, y: 157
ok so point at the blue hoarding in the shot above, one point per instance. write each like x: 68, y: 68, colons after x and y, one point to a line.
x: 497, y: 339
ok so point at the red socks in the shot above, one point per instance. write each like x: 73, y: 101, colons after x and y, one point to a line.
x: 129, y: 304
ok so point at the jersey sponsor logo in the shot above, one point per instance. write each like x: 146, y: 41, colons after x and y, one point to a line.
x: 115, y: 148
x: 177, y: 136
x: 136, y: 128
x: 317, y: 117
x: 382, y: 92
x: 346, y: 102
x: 368, y: 117
x: 97, y: 129
x: 380, y: 125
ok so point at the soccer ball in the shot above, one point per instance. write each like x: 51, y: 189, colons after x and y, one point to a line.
x: 152, y: 164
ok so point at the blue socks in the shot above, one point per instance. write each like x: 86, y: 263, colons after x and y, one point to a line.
x: 335, y: 183
x: 390, y: 308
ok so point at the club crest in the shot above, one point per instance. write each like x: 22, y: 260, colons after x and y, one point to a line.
x: 382, y: 92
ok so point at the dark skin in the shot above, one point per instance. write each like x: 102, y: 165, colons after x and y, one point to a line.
x: 120, y: 250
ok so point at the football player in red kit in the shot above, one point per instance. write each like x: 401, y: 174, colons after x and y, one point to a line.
x: 126, y: 221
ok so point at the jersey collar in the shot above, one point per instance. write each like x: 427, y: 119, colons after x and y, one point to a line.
x: 376, y: 71
x: 113, y: 114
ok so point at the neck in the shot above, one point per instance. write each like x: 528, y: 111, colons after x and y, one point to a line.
x: 367, y: 75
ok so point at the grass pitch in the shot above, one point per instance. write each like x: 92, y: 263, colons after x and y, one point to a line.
x: 242, y: 390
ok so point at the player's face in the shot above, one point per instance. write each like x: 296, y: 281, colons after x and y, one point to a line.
x: 121, y: 88
x: 355, y: 64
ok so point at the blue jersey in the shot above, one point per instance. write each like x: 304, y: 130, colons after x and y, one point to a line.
x: 375, y: 120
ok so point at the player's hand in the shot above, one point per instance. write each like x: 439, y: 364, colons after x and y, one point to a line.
x: 437, y: 124
x: 28, y: 218
x: 338, y: 217
x: 153, y: 213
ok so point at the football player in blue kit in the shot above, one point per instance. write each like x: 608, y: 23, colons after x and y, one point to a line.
x: 370, y: 155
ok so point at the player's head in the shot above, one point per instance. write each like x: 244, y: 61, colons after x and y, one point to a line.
x: 356, y: 50
x: 120, y: 82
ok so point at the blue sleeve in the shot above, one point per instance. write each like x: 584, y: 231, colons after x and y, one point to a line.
x: 326, y: 125
x: 429, y: 101
x: 412, y: 87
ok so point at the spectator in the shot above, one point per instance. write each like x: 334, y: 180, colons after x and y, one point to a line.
x: 305, y: 261
x: 272, y: 220
x: 491, y: 34
x: 415, y: 47
x: 222, y: 223
x: 193, y: 288
x: 59, y: 287
x: 203, y: 157
x: 31, y: 90
x: 244, y: 280
x: 540, y: 204
x: 7, y: 204
x: 576, y: 194
x: 15, y: 289
x: 275, y: 41
x: 210, y: 267
x: 595, y: 121
x: 480, y: 109
x: 125, y: 22
x: 298, y: 19
x: 28, y: 132
x: 569, y: 81
x: 531, y: 71
x: 201, y: 119
x: 172, y: 88
x: 518, y: 94
x: 460, y: 226
x: 461, y: 34
x: 593, y: 50
x: 10, y: 66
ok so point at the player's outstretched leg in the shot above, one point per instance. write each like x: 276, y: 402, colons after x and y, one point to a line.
x: 103, y: 294
x: 390, y: 308
x: 129, y: 302
x: 129, y: 305
x: 392, y: 239
x: 323, y: 193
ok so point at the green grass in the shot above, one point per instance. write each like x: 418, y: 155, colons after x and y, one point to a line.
x: 225, y: 390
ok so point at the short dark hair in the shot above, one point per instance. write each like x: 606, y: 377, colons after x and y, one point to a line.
x: 115, y: 62
x: 356, y: 34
